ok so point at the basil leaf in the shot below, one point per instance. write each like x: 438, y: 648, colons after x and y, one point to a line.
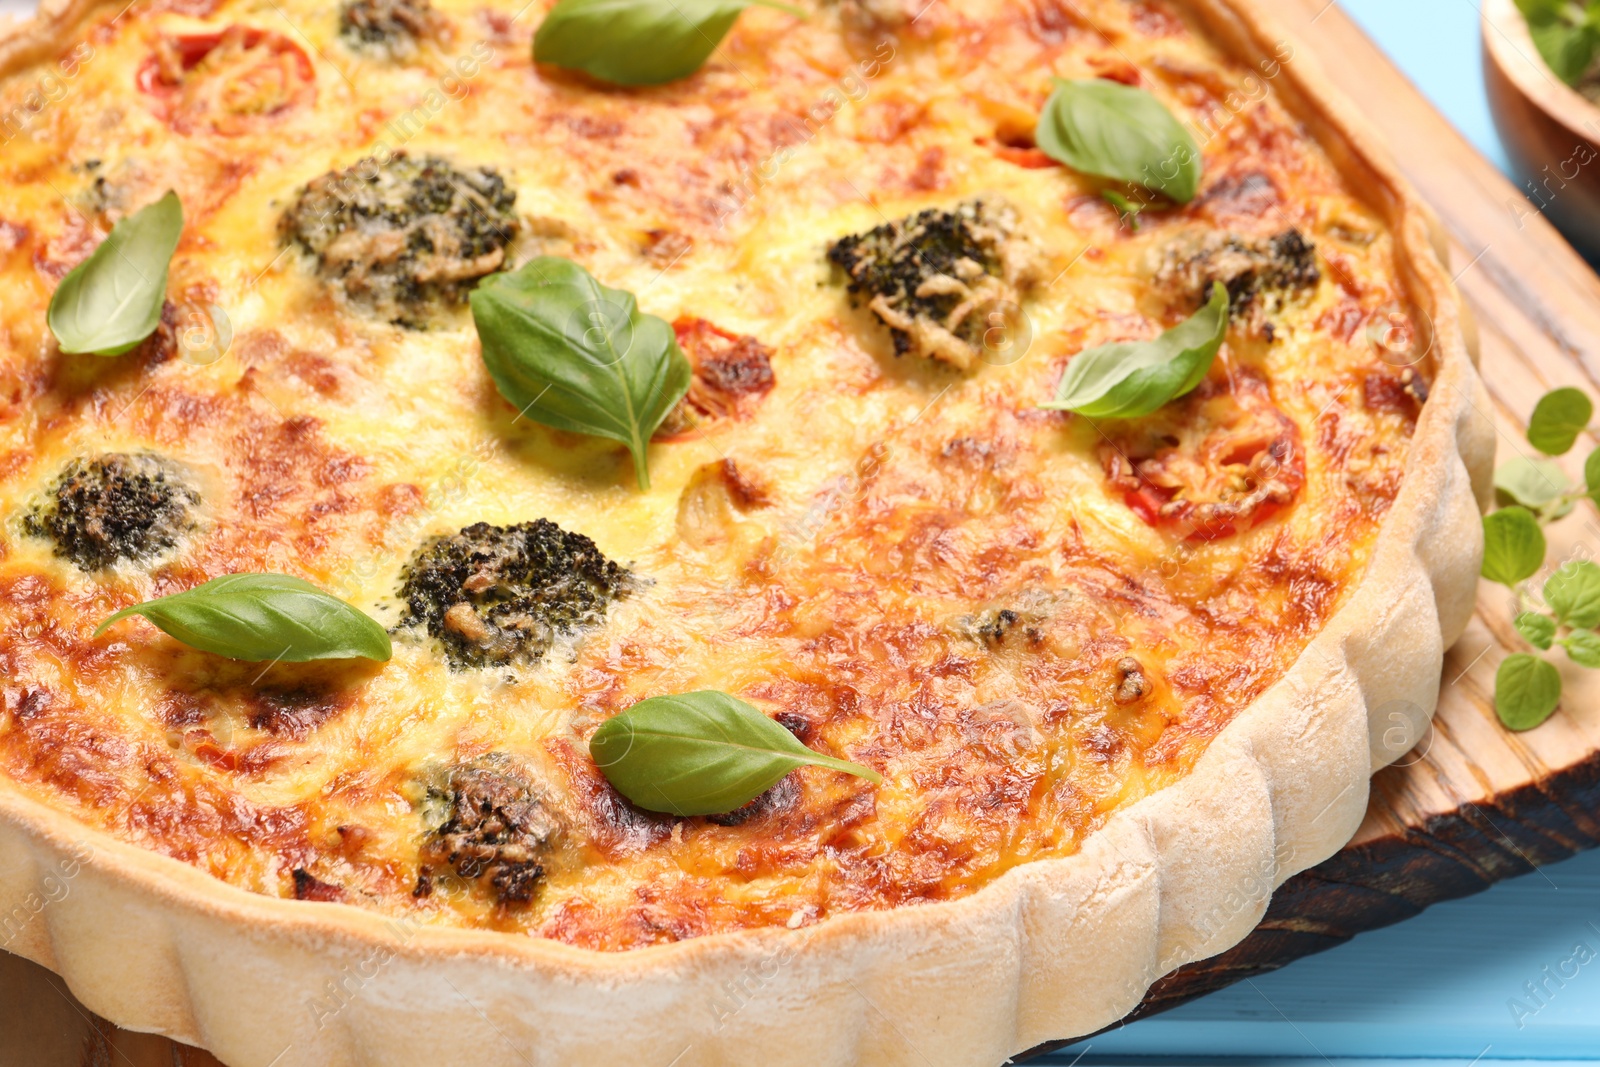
x: 263, y: 617
x: 1573, y: 593
x: 1534, y: 483
x: 1591, y: 475
x: 701, y: 753
x: 1526, y: 691
x: 1564, y: 35
x: 112, y: 301
x: 1513, y: 545
x: 1557, y: 420
x: 1583, y: 648
x: 573, y: 354
x: 1115, y: 131
x: 638, y: 42
x: 1130, y: 379
x: 1536, y: 629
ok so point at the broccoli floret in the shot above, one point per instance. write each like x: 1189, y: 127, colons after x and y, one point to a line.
x: 490, y: 828
x: 406, y: 238
x: 113, y: 507
x: 495, y: 595
x: 936, y: 278
x: 1262, y: 274
x: 388, y: 27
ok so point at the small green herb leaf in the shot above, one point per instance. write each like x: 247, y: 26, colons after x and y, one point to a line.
x: 260, y: 617
x: 1537, y: 629
x: 112, y: 301
x: 570, y: 353
x: 1573, y: 593
x: 1111, y: 130
x: 1558, y: 418
x: 1526, y: 691
x: 1127, y: 209
x: 1513, y: 545
x: 1533, y: 483
x: 701, y: 753
x: 1565, y: 35
x: 1130, y: 379
x: 638, y: 42
x: 1591, y: 475
x: 1583, y: 647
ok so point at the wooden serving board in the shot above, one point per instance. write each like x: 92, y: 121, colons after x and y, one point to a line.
x: 1472, y: 804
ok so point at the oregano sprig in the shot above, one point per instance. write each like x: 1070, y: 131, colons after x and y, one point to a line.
x: 1536, y: 492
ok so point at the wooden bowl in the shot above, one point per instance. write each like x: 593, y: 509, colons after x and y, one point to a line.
x: 1551, y: 131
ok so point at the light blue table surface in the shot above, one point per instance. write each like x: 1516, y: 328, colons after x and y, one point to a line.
x: 1453, y: 985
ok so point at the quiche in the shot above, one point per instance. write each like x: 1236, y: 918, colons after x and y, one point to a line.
x: 1106, y: 679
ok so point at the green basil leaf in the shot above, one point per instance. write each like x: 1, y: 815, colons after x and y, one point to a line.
x: 1573, y: 593
x: 701, y: 753
x: 1591, y: 475
x: 1534, y: 483
x: 1111, y: 130
x: 1537, y: 629
x: 1583, y: 648
x: 112, y: 301
x: 638, y: 42
x: 261, y: 617
x: 1513, y: 545
x: 1558, y: 418
x: 573, y: 354
x: 1526, y: 691
x: 1130, y: 379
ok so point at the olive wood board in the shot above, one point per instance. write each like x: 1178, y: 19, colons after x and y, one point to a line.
x: 1471, y: 804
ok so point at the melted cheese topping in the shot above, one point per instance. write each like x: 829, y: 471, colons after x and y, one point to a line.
x: 930, y: 574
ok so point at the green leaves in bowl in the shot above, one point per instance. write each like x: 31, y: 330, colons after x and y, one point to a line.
x: 1566, y: 33
x: 1115, y: 131
x: 571, y: 353
x: 260, y: 617
x: 701, y: 753
x: 112, y: 301
x: 1133, y: 378
x: 638, y: 42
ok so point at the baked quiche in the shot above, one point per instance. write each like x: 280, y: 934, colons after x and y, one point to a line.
x: 861, y: 532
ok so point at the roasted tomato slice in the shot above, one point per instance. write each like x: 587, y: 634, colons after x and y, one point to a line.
x: 231, y: 82
x: 1219, y: 461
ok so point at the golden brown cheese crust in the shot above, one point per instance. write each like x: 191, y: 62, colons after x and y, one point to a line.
x: 912, y: 567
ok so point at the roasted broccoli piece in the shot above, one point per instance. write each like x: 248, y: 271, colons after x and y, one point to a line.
x: 1262, y: 274
x: 489, y: 828
x: 495, y: 595
x: 937, y: 278
x: 113, y: 507
x: 406, y: 238
x: 388, y: 27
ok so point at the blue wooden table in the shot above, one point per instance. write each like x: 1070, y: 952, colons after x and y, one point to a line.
x: 1510, y: 974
